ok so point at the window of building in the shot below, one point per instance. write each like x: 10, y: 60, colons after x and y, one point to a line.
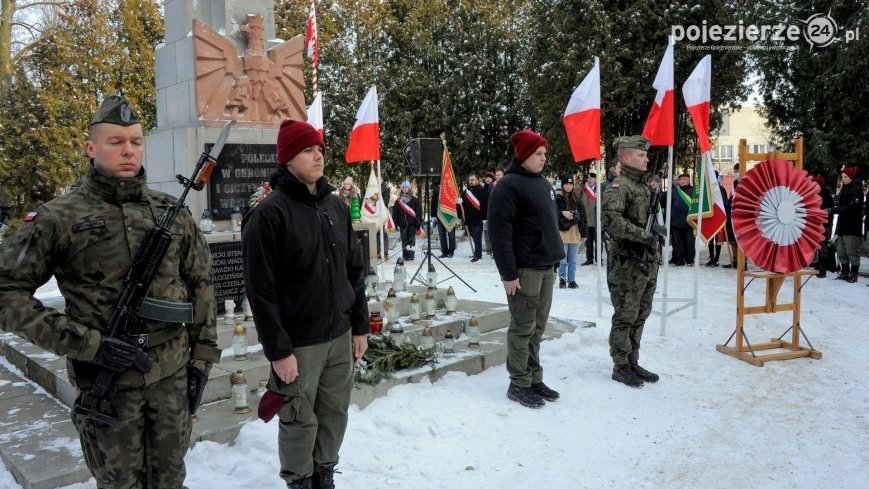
x: 723, y: 153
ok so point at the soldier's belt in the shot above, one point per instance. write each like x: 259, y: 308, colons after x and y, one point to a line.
x: 150, y: 340
x: 165, y: 311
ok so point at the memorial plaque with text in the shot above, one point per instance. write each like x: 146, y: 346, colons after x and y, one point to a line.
x: 241, y: 169
x: 228, y: 276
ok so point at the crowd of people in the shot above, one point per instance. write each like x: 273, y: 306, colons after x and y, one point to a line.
x: 304, y: 279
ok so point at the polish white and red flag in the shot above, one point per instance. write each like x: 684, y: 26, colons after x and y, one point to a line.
x: 582, y: 117
x: 365, y: 137
x: 697, y: 92
x: 311, y: 40
x: 659, y: 124
x: 315, y: 114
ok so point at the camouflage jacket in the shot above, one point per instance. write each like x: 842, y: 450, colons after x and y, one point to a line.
x: 87, y: 239
x: 625, y: 208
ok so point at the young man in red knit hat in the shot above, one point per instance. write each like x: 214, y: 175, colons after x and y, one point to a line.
x: 526, y: 244
x: 305, y: 281
x: 849, y: 226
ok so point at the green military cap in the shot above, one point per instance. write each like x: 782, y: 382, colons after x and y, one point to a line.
x: 116, y: 110
x: 632, y: 142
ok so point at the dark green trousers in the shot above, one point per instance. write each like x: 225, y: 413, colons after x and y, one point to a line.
x: 631, y: 294
x: 147, y: 450
x: 529, y: 311
x: 314, y: 416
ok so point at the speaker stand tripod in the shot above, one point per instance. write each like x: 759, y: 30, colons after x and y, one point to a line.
x: 429, y: 255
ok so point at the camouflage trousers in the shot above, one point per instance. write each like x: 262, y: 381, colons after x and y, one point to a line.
x: 147, y: 449
x: 631, y: 295
x: 529, y: 312
x: 314, y: 416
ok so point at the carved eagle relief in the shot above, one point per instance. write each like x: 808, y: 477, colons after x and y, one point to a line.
x: 260, y: 87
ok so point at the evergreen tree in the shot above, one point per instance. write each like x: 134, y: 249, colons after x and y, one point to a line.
x: 818, y: 93
x: 91, y: 49
x: 630, y: 38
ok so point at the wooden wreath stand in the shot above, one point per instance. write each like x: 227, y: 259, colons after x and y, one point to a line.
x: 744, y: 350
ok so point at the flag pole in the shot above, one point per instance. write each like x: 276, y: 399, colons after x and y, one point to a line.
x: 597, y: 244
x: 665, y: 258
x: 317, y: 41
x: 699, y: 237
x: 385, y: 206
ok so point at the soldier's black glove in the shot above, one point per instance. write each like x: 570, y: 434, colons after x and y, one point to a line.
x: 118, y: 355
x: 651, y: 242
x: 196, y: 381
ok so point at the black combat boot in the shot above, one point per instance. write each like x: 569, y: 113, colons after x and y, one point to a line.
x: 561, y: 282
x: 852, y: 278
x: 844, y: 272
x: 545, y: 392
x: 624, y: 374
x: 644, y: 374
x: 324, y: 478
x: 525, y: 396
x: 305, y: 483
x: 572, y: 285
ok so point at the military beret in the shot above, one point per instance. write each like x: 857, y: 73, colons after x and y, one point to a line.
x: 116, y: 110
x: 632, y: 142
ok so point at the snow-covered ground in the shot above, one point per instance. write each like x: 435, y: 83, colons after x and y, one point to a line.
x: 711, y: 421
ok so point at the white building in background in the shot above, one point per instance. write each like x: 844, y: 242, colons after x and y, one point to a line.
x: 745, y: 123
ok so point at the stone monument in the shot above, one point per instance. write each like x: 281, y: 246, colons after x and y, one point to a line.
x: 220, y: 62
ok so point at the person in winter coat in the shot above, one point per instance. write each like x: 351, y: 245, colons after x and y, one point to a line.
x: 849, y: 227
x: 407, y: 215
x: 572, y: 225
x: 588, y: 198
x: 446, y: 239
x: 305, y: 281
x: 475, y: 202
x: 348, y: 191
x: 825, y: 257
x: 523, y: 226
x: 682, y: 232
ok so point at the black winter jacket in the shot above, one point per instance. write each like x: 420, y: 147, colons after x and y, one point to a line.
x: 680, y: 208
x: 523, y: 226
x: 572, y: 202
x: 474, y: 217
x: 850, y: 210
x: 402, y: 219
x: 303, y: 270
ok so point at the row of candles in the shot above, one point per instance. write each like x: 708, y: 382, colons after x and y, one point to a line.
x: 390, y: 307
x: 399, y: 280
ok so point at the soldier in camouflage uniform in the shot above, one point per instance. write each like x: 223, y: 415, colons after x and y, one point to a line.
x: 634, y: 259
x: 87, y: 240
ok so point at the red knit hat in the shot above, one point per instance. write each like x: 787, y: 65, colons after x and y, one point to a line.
x: 851, y: 171
x: 819, y: 180
x: 526, y: 142
x: 293, y: 137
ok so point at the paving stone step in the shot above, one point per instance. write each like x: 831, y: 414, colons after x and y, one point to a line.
x: 39, y: 444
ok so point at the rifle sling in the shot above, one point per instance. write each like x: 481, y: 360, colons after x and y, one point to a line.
x: 150, y: 340
x: 165, y: 311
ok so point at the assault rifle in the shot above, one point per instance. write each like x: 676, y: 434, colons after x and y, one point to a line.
x: 125, y: 319
x: 652, y: 226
